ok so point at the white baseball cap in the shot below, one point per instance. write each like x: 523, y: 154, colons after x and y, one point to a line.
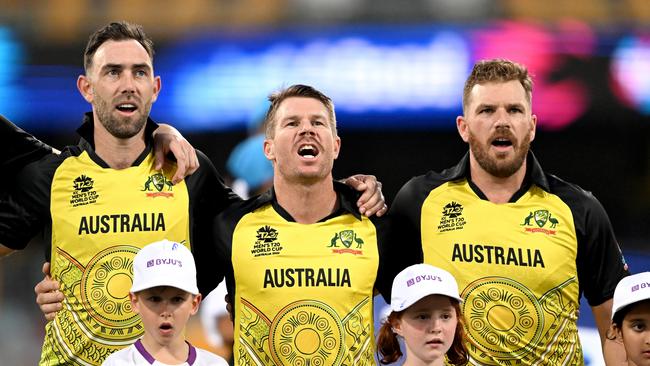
x: 164, y: 263
x: 418, y: 281
x: 631, y: 289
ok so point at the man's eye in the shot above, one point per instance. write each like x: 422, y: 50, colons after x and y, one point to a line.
x: 141, y: 73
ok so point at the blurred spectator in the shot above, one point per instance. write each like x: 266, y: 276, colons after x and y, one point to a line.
x: 217, y: 326
x: 250, y: 173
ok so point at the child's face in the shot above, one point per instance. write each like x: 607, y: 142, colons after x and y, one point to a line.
x: 428, y: 328
x: 635, y: 331
x: 164, y: 311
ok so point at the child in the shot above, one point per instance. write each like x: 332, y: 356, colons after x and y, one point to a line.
x: 631, y: 317
x: 426, y: 312
x: 165, y: 294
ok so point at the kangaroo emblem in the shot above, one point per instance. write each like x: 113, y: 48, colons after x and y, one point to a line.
x: 527, y: 220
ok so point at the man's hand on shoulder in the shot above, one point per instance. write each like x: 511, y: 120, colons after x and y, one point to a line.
x: 167, y: 139
x: 372, y: 200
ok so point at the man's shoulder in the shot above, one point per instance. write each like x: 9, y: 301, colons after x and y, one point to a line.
x: 571, y: 193
x: 237, y: 210
x: 41, y: 172
x: 421, y: 185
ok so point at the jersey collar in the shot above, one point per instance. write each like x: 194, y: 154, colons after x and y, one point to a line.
x: 191, y: 355
x: 347, y: 202
x: 87, y: 141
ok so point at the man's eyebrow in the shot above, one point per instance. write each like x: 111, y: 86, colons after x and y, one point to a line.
x: 142, y: 66
x: 484, y: 105
x: 112, y: 66
x: 122, y: 66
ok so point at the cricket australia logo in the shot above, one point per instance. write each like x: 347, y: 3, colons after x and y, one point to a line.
x: 155, y: 185
x: 544, y: 220
x: 266, y: 242
x: 83, y: 193
x: 346, y: 238
x: 452, y: 217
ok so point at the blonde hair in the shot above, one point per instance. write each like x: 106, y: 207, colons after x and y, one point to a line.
x: 497, y: 70
x: 297, y: 90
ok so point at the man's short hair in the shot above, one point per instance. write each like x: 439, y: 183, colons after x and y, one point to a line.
x: 298, y: 90
x: 497, y: 70
x: 116, y: 31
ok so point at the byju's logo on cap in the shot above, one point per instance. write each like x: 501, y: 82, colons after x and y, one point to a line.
x: 419, y: 278
x: 161, y: 261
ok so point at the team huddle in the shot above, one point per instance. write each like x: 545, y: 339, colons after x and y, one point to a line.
x: 483, y: 263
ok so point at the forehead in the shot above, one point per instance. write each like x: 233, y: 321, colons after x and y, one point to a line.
x: 508, y: 92
x: 301, y: 106
x: 125, y: 52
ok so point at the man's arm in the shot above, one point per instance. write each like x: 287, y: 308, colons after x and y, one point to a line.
x: 167, y: 140
x: 613, y: 351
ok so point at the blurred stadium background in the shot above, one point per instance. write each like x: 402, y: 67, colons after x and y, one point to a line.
x: 395, y: 70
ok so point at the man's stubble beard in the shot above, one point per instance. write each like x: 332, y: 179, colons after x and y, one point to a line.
x: 122, y: 128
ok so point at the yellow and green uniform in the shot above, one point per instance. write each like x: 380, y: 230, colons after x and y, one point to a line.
x: 521, y: 266
x: 303, y: 293
x: 97, y: 219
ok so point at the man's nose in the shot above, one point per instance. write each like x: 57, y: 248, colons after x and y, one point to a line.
x: 306, y: 128
x: 502, y: 118
x: 128, y: 84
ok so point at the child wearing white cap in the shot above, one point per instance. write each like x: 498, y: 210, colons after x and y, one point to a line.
x: 631, y: 317
x: 425, y: 308
x: 165, y: 294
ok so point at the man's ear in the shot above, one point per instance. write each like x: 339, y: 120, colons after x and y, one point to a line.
x: 85, y: 88
x: 269, y: 149
x: 533, y: 121
x: 463, y: 129
x: 157, y: 85
x: 337, y: 147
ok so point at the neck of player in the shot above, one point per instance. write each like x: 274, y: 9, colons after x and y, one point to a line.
x: 116, y: 152
x: 497, y: 189
x: 306, y: 202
